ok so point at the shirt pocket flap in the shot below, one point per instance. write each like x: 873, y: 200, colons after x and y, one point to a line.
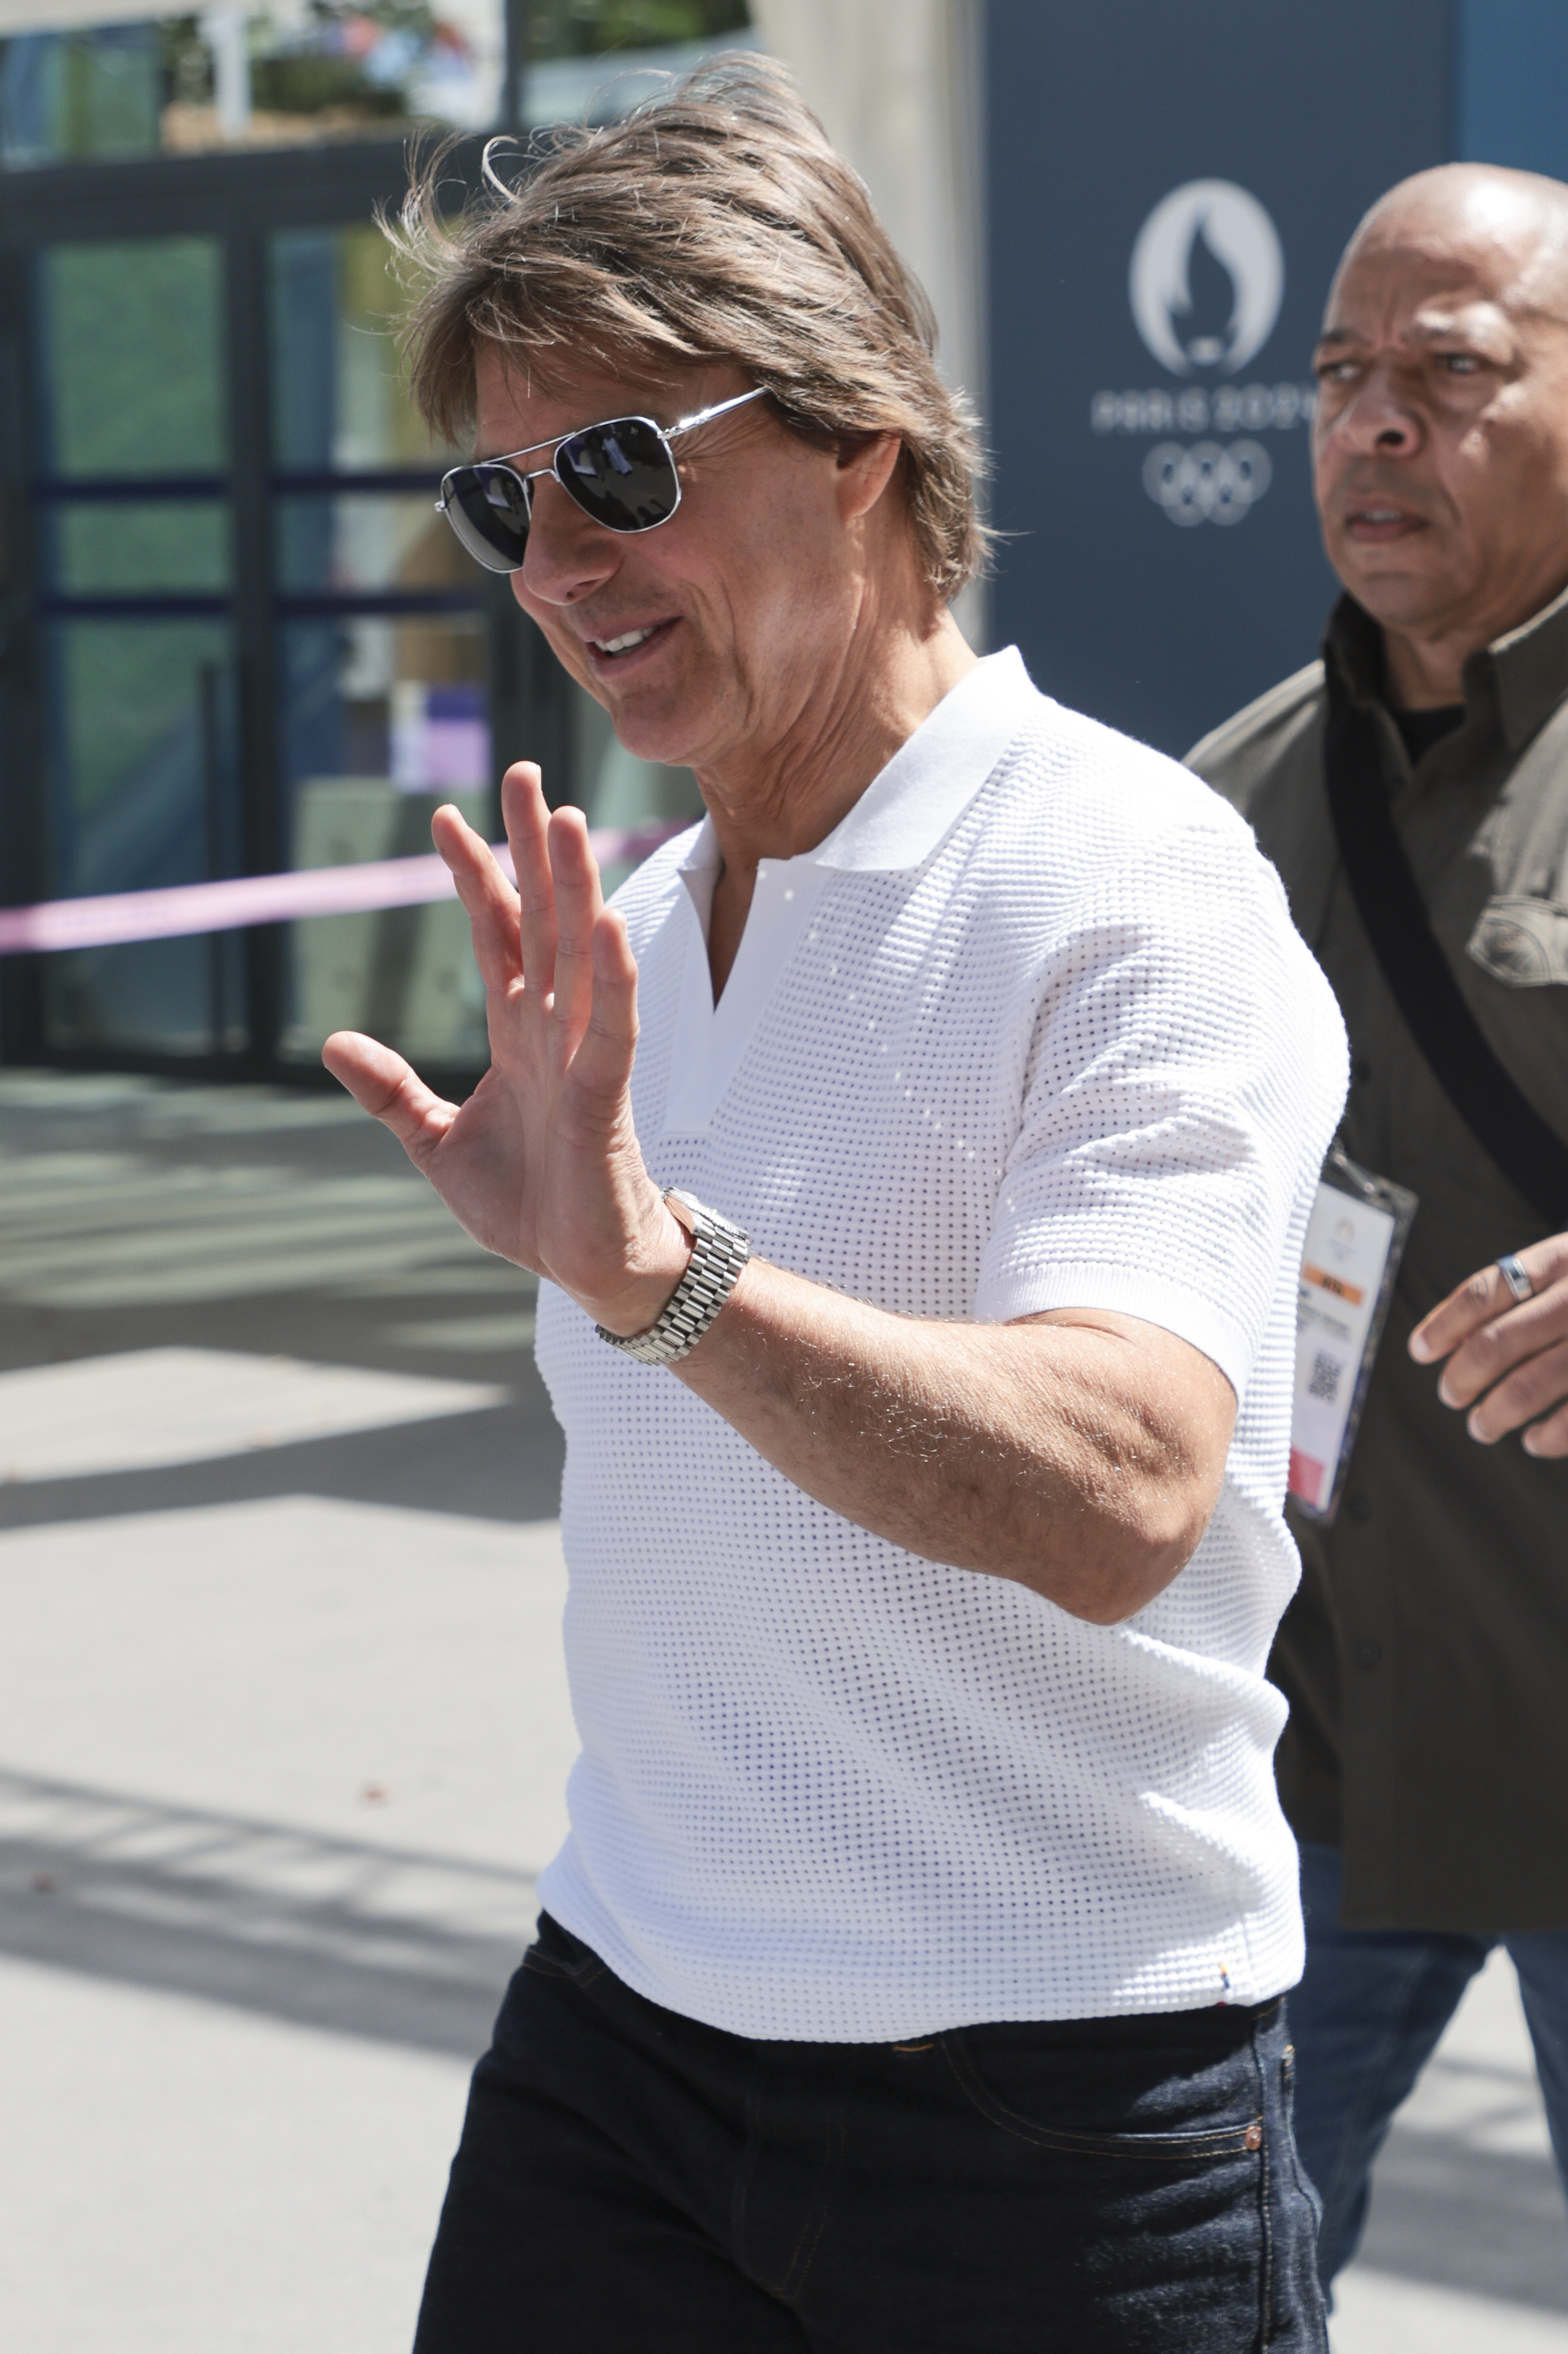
x: 1520, y: 941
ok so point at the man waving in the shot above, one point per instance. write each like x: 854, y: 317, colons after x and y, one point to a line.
x: 919, y: 1300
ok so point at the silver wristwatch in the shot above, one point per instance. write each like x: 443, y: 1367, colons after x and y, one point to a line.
x: 719, y: 1251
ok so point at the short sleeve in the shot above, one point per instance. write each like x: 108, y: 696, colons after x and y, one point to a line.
x: 1186, y: 1066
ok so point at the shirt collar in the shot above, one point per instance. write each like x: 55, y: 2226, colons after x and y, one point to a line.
x: 1531, y: 664
x: 919, y: 797
x: 1523, y: 675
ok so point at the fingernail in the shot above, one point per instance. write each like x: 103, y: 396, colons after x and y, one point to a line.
x: 1473, y: 1424
x: 1420, y: 1348
x: 1529, y: 1443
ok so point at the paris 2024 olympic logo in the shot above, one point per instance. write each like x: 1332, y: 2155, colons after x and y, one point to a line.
x: 1206, y: 284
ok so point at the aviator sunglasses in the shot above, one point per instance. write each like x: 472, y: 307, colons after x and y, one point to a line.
x: 621, y: 474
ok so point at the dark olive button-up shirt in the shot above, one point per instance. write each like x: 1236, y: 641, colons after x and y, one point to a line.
x: 1425, y: 1656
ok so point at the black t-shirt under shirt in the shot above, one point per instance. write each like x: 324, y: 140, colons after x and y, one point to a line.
x: 1422, y: 729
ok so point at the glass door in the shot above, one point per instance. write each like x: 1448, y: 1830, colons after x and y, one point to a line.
x: 384, y: 656
x: 235, y: 636
x: 136, y: 660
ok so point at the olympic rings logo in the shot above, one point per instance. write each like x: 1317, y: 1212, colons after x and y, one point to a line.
x: 1207, y: 484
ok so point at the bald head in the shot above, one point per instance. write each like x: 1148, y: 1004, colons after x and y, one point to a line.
x: 1511, y: 224
x: 1440, y: 445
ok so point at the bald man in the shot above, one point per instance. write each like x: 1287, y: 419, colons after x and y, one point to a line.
x: 1413, y: 789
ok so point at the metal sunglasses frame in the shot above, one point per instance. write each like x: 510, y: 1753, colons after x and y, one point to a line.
x: 555, y: 444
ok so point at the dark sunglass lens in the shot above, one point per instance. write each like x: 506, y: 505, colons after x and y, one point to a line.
x: 488, y: 508
x: 622, y: 474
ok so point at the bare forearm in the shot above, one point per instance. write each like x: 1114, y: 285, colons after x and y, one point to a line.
x: 1042, y: 1452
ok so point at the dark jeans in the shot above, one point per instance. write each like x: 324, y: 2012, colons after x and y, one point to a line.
x: 631, y: 2182
x: 1366, y: 2019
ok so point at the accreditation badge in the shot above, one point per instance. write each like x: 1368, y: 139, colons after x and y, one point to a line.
x: 1355, y: 1239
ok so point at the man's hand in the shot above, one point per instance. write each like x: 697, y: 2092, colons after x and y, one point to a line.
x: 1512, y: 1358
x: 541, y: 1165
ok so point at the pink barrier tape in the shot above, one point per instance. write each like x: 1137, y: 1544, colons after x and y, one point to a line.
x: 120, y: 915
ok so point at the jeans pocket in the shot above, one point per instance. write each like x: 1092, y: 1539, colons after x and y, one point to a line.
x: 1224, y: 2137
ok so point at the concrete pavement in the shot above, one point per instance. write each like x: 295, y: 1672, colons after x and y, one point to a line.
x: 282, y: 1739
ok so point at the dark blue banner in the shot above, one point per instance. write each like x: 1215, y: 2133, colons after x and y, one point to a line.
x: 1170, y: 189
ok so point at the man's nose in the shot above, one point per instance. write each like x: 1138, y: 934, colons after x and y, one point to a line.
x: 568, y: 555
x: 1379, y: 419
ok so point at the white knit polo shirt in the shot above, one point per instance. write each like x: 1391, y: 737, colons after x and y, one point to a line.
x: 1032, y: 1029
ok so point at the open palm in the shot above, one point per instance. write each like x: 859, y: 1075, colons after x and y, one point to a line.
x: 541, y: 1165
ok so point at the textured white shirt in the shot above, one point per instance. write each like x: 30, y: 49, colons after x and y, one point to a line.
x: 1030, y: 1029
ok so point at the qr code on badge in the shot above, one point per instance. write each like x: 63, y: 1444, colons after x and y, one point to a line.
x: 1325, y: 1381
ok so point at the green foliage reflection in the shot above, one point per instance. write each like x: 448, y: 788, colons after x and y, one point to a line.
x: 130, y: 692
x: 575, y: 29
x: 131, y: 338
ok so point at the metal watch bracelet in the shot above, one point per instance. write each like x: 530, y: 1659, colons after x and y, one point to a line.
x: 719, y: 1250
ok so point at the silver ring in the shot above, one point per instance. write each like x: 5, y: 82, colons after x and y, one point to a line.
x: 1514, y: 1276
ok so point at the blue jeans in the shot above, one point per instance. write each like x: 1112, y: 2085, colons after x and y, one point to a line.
x: 630, y: 2178
x: 1365, y: 2018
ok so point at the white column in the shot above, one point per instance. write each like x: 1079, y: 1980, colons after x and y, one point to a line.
x: 896, y: 85
x: 225, y: 28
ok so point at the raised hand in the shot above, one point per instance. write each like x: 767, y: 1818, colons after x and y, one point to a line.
x: 541, y: 1165
x: 1510, y: 1357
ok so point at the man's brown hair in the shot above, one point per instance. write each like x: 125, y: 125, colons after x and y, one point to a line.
x: 712, y: 223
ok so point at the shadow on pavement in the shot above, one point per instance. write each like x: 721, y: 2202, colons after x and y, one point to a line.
x: 383, y: 1943
x: 1451, y: 2215
x: 142, y: 1214
x: 501, y: 1464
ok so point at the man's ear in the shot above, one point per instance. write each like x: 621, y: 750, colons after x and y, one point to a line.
x: 867, y: 463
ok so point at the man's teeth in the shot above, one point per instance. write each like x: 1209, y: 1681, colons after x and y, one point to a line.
x: 622, y: 645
